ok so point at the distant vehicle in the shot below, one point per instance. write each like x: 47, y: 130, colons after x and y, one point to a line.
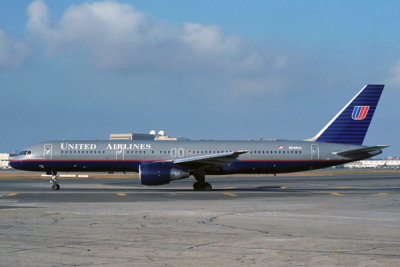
x: 160, y: 162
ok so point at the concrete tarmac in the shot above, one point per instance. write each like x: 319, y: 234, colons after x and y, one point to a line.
x: 347, y: 220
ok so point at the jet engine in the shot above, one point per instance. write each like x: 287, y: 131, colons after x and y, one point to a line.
x: 158, y: 173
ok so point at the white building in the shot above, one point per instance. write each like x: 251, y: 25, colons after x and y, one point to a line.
x: 4, y: 160
x: 378, y: 163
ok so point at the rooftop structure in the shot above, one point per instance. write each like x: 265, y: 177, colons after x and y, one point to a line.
x: 142, y: 136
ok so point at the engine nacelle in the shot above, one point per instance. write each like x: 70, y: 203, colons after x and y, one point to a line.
x: 159, y: 173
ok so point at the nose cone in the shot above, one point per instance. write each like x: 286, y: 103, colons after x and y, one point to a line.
x: 15, y: 162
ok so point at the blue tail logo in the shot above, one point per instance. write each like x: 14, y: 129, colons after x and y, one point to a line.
x: 359, y: 112
x: 350, y: 125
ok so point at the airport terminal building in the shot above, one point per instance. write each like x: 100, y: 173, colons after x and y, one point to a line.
x: 374, y: 164
x: 4, y: 160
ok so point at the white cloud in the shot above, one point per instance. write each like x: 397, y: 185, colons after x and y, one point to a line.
x: 12, y: 52
x: 115, y: 35
x: 209, y: 39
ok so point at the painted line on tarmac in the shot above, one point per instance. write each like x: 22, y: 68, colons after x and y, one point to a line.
x: 230, y: 187
x: 230, y: 194
x: 121, y: 194
x: 336, y: 194
x: 379, y: 194
x: 12, y: 194
x: 283, y: 187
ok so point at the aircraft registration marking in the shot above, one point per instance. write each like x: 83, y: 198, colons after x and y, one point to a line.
x: 230, y: 194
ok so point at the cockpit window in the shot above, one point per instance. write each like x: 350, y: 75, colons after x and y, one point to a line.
x: 25, y: 152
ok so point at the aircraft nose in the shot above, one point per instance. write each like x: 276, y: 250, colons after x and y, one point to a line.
x: 14, y: 163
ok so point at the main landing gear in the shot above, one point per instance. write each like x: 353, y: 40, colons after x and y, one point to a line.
x: 201, y: 184
x: 53, y: 180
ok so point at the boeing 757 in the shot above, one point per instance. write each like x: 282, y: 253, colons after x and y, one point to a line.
x: 160, y: 162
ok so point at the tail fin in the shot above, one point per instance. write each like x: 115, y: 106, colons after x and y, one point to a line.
x: 350, y: 125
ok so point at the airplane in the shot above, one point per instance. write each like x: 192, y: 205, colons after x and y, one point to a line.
x: 160, y: 162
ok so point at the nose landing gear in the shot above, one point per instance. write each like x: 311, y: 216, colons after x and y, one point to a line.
x: 53, y: 180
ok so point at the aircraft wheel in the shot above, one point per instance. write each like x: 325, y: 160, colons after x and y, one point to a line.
x: 56, y: 187
x: 196, y: 186
x: 202, y: 186
x: 207, y: 187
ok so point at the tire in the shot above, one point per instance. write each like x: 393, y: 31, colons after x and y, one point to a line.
x: 207, y: 187
x: 56, y: 187
x: 202, y: 187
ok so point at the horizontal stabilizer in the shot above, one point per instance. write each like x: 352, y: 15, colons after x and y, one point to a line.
x: 359, y: 151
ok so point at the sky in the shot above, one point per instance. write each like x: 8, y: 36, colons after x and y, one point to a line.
x: 196, y: 69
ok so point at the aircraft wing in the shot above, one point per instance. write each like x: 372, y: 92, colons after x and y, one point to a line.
x: 359, y: 151
x: 214, y: 160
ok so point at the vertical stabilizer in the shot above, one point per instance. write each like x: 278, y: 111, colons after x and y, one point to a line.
x: 350, y: 125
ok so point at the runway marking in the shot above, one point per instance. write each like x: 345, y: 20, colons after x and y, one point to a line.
x: 121, y: 194
x: 345, y: 187
x: 229, y: 187
x: 379, y: 194
x: 336, y: 194
x: 230, y: 194
x: 12, y: 194
x: 283, y: 187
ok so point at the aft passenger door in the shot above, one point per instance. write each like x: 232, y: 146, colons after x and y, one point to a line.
x: 314, y: 152
x: 181, y: 152
x: 47, y: 152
